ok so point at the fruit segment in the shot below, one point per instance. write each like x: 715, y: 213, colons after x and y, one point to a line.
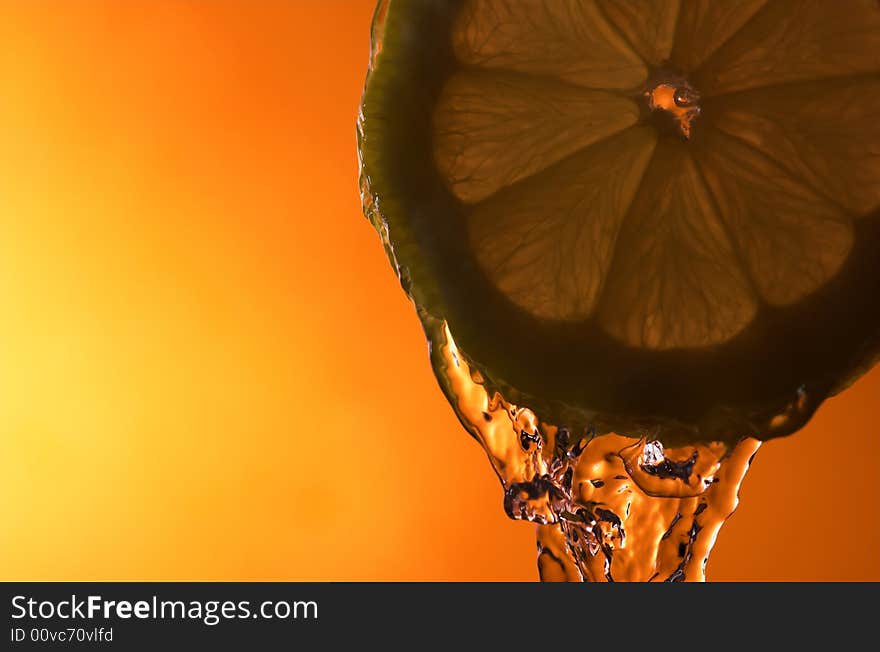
x: 786, y: 43
x: 791, y: 239
x: 566, y: 39
x: 546, y: 242
x: 675, y: 281
x: 493, y: 128
x: 647, y: 25
x: 705, y: 25
x: 825, y: 134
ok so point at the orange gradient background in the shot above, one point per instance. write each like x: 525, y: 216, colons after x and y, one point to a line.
x: 207, y: 368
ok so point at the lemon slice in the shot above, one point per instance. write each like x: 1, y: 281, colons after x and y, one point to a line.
x: 636, y: 214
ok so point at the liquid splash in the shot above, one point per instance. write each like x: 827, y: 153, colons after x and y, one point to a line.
x: 607, y: 507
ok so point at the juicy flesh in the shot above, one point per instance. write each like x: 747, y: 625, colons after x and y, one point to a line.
x: 577, y: 209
